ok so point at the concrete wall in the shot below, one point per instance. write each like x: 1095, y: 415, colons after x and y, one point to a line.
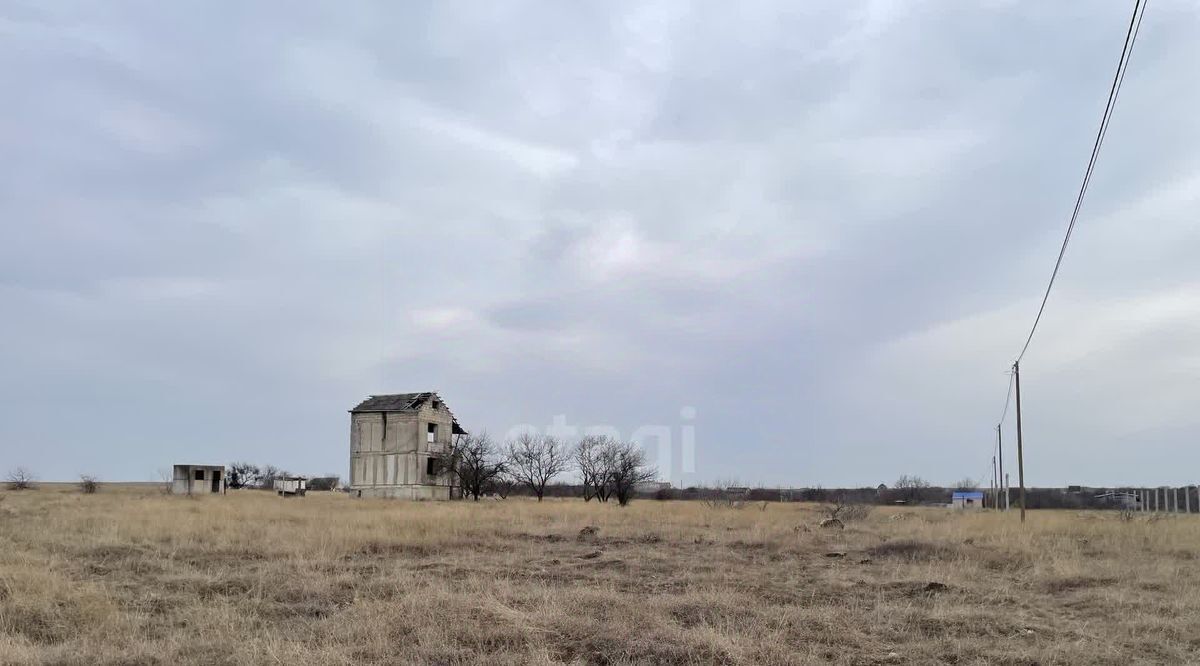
x: 389, y: 453
x: 417, y: 492
x: 184, y: 479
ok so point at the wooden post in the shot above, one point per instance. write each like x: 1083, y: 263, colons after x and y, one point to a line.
x: 1187, y: 499
x: 1000, y: 478
x: 1020, y: 441
x: 995, y: 486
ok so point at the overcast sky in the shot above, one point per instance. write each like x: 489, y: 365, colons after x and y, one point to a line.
x: 821, y: 228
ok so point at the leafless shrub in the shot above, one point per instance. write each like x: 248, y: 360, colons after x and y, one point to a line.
x: 720, y: 498
x: 21, y: 479
x: 88, y: 485
x: 166, y: 480
x: 847, y: 512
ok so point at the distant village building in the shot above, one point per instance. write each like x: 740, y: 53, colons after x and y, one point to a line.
x: 967, y: 499
x: 396, y: 444
x: 198, y: 479
x: 648, y: 487
x: 290, y: 485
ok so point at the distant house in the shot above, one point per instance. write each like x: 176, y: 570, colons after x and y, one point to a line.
x: 290, y: 485
x: 648, y: 487
x: 197, y: 479
x: 967, y: 499
x: 396, y: 443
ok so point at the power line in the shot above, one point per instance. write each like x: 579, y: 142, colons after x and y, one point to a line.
x: 1007, y: 400
x: 1135, y: 24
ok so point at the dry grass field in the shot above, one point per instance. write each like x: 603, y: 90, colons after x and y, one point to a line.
x: 131, y: 576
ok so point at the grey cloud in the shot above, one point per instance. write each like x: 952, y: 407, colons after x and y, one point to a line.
x: 823, y: 228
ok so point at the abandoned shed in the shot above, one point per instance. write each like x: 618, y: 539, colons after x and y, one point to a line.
x: 290, y: 485
x: 198, y: 479
x: 396, y: 446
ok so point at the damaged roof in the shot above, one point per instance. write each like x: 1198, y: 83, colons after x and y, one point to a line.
x: 403, y: 402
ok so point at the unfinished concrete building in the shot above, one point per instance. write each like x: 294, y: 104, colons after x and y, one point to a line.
x: 198, y: 479
x: 395, y: 446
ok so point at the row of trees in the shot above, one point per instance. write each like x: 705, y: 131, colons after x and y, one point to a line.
x: 609, y: 468
x: 248, y: 475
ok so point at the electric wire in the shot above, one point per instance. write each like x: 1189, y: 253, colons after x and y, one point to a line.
x: 1135, y: 24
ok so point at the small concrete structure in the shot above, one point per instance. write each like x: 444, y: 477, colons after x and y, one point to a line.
x: 967, y: 499
x: 291, y: 485
x: 198, y: 479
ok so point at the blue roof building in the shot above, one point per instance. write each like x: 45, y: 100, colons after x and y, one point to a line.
x: 967, y: 499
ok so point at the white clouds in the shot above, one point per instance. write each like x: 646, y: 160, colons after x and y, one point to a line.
x: 540, y: 160
x: 444, y: 320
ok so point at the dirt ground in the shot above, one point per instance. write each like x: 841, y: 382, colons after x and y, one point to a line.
x: 132, y: 576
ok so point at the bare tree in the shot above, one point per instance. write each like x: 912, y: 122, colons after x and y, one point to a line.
x: 589, y: 460
x: 534, y: 460
x: 911, y: 488
x: 88, y: 485
x: 21, y: 479
x: 627, y: 467
x: 241, y: 475
x: 477, y: 462
x: 966, y: 483
x: 265, y: 476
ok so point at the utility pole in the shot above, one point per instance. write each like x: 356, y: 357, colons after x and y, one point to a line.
x: 995, y: 486
x: 1020, y: 440
x: 1000, y: 476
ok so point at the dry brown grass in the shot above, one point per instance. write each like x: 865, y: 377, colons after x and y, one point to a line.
x: 130, y: 576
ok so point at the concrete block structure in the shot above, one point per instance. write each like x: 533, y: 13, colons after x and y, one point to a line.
x: 396, y: 446
x: 198, y: 479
